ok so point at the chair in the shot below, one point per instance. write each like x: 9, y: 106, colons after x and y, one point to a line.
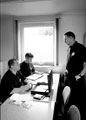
x: 66, y: 94
x: 59, y: 110
x: 63, y: 106
x: 73, y: 113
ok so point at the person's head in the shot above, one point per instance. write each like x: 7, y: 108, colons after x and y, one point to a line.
x: 69, y: 38
x: 28, y: 57
x: 13, y: 65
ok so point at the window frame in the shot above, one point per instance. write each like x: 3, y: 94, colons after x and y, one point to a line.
x: 21, y: 26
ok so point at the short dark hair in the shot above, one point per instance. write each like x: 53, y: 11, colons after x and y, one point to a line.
x: 70, y: 34
x: 11, y: 62
x: 29, y: 55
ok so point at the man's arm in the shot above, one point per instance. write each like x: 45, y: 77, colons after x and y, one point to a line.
x: 21, y: 89
x: 83, y: 72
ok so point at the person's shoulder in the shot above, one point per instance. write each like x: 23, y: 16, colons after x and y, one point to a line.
x: 6, y: 74
x: 22, y: 63
x: 80, y: 45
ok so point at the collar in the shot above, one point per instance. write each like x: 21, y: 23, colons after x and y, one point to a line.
x: 73, y: 45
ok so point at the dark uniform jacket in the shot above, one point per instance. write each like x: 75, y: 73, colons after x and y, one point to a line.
x: 76, y: 59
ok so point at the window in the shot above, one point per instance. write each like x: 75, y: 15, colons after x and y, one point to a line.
x: 40, y: 40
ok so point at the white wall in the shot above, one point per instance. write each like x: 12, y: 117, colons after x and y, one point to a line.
x: 7, y: 42
x: 7, y: 46
x: 3, y: 68
x: 75, y: 22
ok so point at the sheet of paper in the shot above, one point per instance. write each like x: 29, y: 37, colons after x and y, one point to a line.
x: 21, y: 97
x: 34, y: 76
x: 23, y: 100
x: 41, y: 88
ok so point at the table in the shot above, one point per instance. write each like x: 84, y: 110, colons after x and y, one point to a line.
x: 37, y: 110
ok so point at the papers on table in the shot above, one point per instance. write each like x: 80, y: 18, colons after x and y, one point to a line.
x: 24, y: 100
x: 34, y: 76
x: 42, y: 88
x: 21, y: 97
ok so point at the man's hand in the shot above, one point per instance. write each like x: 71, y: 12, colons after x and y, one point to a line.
x: 77, y: 77
x: 26, y: 87
x: 66, y: 72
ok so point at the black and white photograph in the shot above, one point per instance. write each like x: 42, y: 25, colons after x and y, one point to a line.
x: 42, y: 59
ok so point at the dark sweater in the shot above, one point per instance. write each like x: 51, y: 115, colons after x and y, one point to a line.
x: 8, y: 83
x: 27, y: 68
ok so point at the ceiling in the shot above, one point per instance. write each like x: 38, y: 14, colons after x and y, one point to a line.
x: 40, y: 7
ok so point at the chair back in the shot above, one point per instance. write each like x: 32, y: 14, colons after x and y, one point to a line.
x: 73, y: 113
x: 66, y: 94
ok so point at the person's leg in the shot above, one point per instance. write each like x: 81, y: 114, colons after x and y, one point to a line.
x: 81, y: 99
x: 78, y: 96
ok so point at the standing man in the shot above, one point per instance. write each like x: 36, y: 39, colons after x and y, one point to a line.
x: 26, y: 67
x: 76, y: 63
x: 75, y: 70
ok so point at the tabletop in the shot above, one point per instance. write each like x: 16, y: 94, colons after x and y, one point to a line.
x: 36, y: 110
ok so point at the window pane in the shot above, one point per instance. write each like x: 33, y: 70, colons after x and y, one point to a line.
x: 39, y: 41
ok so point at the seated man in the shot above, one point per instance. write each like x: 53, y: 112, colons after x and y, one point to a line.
x: 26, y: 67
x: 11, y: 79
